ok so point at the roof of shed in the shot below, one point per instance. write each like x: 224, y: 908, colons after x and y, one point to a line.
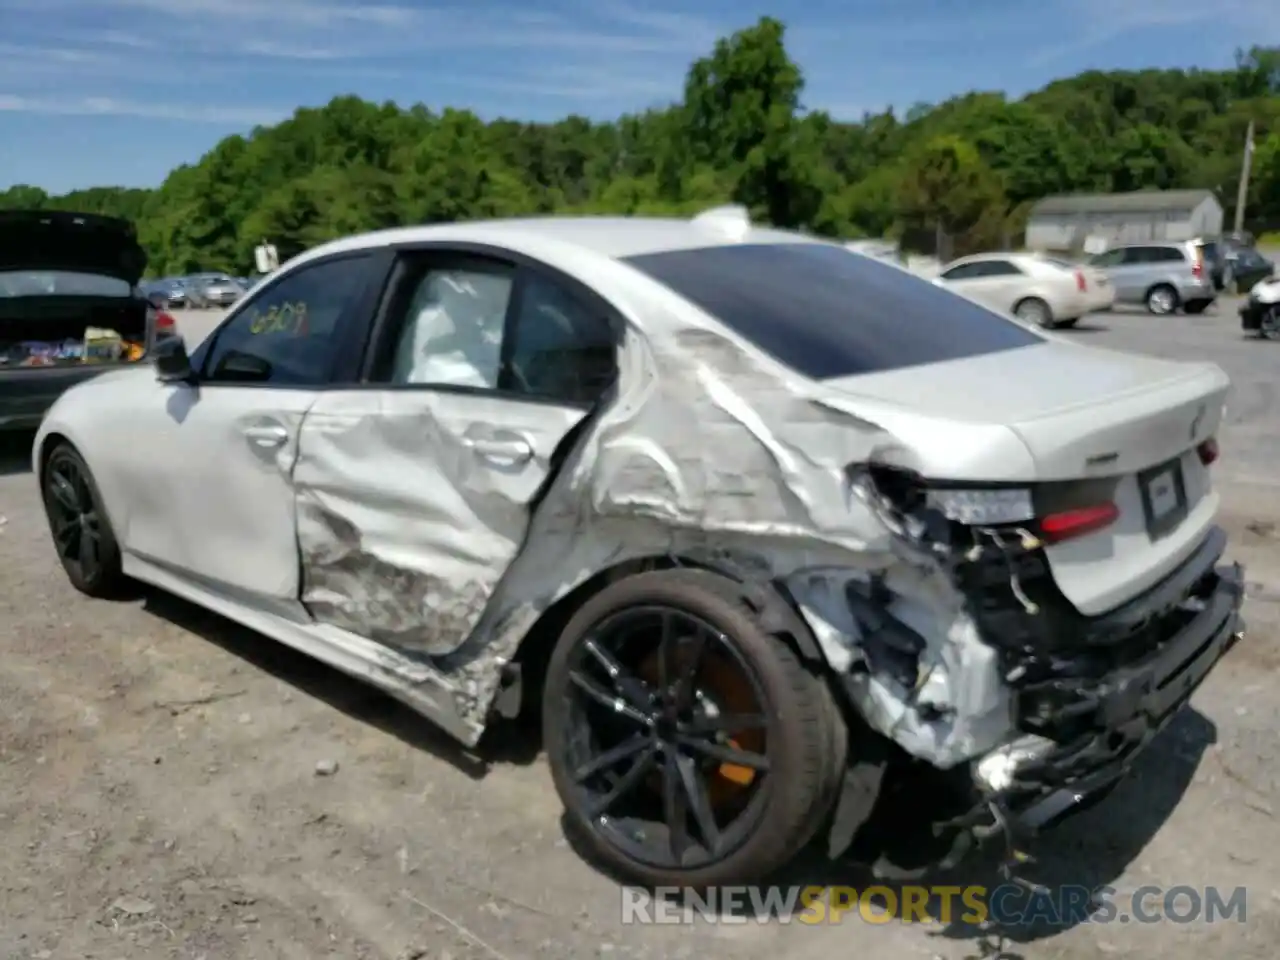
x: 1140, y: 201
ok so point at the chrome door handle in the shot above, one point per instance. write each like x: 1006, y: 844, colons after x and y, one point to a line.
x: 506, y: 452
x: 267, y: 436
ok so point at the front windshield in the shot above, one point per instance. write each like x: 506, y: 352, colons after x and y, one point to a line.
x: 60, y: 283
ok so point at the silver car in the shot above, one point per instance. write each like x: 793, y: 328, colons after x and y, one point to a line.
x: 1160, y: 276
x: 213, y: 290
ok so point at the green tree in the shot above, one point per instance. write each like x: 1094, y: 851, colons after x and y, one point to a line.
x: 967, y: 168
x: 946, y: 186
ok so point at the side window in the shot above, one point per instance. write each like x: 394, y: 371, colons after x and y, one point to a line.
x: 452, y: 329
x: 965, y: 271
x: 289, y: 334
x: 1169, y: 255
x: 561, y: 349
x: 1112, y: 258
x: 1002, y: 268
x: 1137, y: 255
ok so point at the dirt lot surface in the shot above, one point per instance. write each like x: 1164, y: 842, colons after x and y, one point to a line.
x: 174, y: 786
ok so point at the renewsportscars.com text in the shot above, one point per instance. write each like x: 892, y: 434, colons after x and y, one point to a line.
x: 1007, y: 904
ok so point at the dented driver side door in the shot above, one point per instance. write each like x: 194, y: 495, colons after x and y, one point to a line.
x: 416, y: 487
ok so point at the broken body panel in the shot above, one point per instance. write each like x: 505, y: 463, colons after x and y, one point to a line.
x: 426, y: 567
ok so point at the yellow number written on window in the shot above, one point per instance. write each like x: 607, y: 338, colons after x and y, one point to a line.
x: 287, y: 318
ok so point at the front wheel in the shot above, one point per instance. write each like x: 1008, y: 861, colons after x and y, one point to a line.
x: 82, y: 534
x: 1269, y: 328
x: 690, y: 746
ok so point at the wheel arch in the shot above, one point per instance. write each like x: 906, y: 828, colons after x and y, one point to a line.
x: 47, y: 441
x: 778, y: 611
x: 1177, y: 297
x: 46, y: 445
x: 1038, y: 295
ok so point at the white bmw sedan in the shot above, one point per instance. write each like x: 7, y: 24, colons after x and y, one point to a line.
x: 757, y: 528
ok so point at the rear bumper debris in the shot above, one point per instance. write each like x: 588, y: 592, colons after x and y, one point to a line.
x: 1088, y: 730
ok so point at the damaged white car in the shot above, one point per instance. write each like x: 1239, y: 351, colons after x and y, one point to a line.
x: 766, y: 530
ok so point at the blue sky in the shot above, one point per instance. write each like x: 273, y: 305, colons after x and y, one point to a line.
x: 120, y: 91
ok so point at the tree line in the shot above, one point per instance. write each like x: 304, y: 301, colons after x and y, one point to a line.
x: 968, y: 168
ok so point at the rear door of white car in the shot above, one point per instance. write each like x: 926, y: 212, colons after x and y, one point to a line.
x: 214, y: 494
x: 977, y: 280
x: 1004, y: 284
x: 416, y: 486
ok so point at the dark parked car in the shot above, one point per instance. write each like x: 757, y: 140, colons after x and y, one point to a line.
x: 70, y: 306
x: 1245, y: 266
x: 167, y: 293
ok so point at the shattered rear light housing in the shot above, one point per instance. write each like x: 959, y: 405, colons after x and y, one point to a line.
x: 983, y: 507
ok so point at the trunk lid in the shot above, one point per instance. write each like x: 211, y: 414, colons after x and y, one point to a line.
x: 1087, y: 415
x: 73, y: 242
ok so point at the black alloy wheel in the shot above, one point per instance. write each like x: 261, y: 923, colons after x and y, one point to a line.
x: 82, y: 535
x: 688, y: 753
x: 651, y: 741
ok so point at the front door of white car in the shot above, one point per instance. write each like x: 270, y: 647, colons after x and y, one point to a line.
x: 415, y: 490
x: 214, y: 499
x: 217, y: 504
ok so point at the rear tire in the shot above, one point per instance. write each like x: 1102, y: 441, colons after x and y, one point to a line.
x: 1034, y: 311
x: 82, y: 534
x: 1162, y: 300
x: 801, y: 735
x: 1195, y: 307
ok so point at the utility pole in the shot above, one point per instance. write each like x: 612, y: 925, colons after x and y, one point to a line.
x: 1243, y: 193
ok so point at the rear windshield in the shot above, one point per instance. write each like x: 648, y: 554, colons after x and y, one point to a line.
x: 55, y: 283
x: 1064, y: 264
x: 826, y: 312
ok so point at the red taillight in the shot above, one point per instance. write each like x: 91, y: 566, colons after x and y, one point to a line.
x: 1197, y: 266
x: 1208, y: 451
x: 165, y: 322
x: 1081, y: 284
x: 1057, y: 527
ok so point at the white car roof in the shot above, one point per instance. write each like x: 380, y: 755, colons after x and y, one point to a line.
x: 1027, y: 260
x: 613, y: 237
x: 996, y: 255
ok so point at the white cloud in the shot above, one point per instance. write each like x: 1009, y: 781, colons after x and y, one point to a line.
x: 287, y: 51
x: 1102, y: 21
x: 593, y: 50
x: 111, y: 107
x: 11, y: 52
x: 291, y: 11
x: 581, y: 82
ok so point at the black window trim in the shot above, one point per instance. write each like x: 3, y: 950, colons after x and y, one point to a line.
x: 407, y: 257
x: 959, y: 266
x: 348, y: 325
x: 1013, y: 270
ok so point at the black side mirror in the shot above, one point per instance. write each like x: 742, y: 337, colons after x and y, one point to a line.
x: 172, y: 363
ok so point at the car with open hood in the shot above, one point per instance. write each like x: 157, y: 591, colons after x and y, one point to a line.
x: 760, y: 531
x: 70, y: 306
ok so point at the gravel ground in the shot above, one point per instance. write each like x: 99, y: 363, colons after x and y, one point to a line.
x: 174, y: 786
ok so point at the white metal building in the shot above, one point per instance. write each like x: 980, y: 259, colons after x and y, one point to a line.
x: 1064, y: 223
